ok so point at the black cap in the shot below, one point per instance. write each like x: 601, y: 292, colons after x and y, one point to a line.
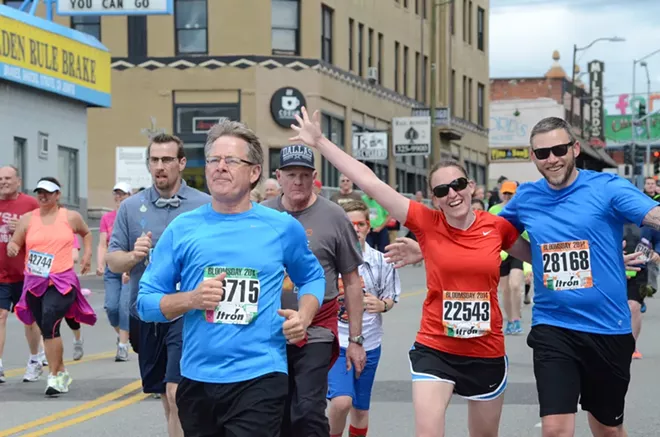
x: 297, y: 156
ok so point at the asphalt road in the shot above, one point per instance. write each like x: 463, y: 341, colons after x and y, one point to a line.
x: 105, y: 397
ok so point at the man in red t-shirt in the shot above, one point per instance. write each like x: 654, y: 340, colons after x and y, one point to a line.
x: 13, y: 204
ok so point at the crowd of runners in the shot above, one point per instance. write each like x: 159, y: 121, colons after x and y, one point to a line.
x: 257, y: 310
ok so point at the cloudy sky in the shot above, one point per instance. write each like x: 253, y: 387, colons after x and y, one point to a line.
x: 524, y: 33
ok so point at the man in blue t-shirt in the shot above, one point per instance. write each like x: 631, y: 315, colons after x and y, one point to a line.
x: 581, y: 331
x: 229, y: 258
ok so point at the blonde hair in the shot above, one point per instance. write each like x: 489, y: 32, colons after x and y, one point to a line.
x: 356, y: 205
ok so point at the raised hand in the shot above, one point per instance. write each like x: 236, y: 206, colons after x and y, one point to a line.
x: 308, y: 130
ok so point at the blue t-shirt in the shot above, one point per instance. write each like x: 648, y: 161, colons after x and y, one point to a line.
x: 576, y: 237
x: 254, y: 248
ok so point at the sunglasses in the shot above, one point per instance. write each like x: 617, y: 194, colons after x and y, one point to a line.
x: 558, y: 150
x: 456, y: 185
x: 360, y: 224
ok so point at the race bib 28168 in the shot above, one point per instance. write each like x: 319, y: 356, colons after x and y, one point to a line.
x: 566, y: 265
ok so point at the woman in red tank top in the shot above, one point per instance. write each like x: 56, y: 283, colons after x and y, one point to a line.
x: 459, y: 347
x: 51, y: 289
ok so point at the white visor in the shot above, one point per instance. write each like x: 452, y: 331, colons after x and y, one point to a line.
x: 47, y: 186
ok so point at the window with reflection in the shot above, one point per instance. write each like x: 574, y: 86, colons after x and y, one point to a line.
x: 285, y: 27
x: 191, y: 21
x: 89, y: 24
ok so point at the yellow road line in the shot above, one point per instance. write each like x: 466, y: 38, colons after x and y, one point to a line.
x: 16, y: 372
x: 412, y: 293
x: 105, y: 410
x: 129, y: 388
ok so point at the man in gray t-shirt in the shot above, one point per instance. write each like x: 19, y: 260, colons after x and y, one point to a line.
x: 335, y: 244
x: 345, y: 193
x: 140, y: 221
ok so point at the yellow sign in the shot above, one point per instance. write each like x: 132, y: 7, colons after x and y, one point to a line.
x: 510, y: 154
x: 53, y: 62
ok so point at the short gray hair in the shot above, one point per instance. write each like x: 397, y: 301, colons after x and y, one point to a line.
x: 228, y: 128
x: 549, y: 124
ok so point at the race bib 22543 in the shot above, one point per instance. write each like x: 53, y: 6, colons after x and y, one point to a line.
x: 466, y: 314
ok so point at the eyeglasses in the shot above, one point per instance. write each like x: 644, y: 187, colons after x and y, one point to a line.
x: 230, y: 161
x: 456, y: 185
x: 164, y: 159
x: 360, y: 224
x: 558, y: 150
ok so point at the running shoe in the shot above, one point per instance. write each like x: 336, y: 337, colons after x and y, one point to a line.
x: 637, y: 355
x: 78, y: 351
x: 2, y: 375
x: 54, y: 386
x: 65, y: 381
x: 516, y: 329
x: 122, y: 353
x: 33, y: 371
x: 509, y: 328
x: 643, y: 309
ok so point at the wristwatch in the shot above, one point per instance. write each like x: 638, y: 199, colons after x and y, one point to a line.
x: 357, y: 340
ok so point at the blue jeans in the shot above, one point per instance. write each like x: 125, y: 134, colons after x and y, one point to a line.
x: 117, y: 300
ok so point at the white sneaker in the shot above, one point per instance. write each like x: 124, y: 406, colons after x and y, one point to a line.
x: 33, y: 371
x: 65, y: 381
x: 122, y: 353
x: 78, y: 351
x: 2, y: 375
x: 54, y: 386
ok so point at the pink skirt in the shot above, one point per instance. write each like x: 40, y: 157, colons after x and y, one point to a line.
x: 81, y: 311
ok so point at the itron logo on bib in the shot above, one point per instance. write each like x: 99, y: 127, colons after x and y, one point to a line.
x: 240, y: 302
x: 566, y: 265
x: 466, y: 314
x: 39, y: 264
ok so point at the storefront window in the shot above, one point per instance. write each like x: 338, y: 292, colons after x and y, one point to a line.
x: 333, y: 128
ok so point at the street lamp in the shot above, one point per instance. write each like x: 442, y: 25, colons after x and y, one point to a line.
x: 580, y: 49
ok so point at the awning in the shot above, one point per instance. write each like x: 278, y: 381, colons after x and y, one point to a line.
x: 598, y: 154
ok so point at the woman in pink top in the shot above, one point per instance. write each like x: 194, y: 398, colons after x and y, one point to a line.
x: 51, y: 290
x: 117, y: 295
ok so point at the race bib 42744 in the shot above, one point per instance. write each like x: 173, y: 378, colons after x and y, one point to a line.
x: 567, y: 265
x: 39, y: 264
x: 240, y: 302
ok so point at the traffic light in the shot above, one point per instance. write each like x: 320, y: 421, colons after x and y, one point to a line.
x: 640, y: 155
x: 627, y: 155
x: 641, y: 110
x: 656, y: 162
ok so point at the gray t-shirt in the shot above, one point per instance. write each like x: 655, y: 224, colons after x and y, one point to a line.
x: 138, y: 215
x: 340, y: 199
x: 333, y: 241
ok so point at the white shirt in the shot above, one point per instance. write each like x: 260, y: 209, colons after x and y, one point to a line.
x: 380, y: 279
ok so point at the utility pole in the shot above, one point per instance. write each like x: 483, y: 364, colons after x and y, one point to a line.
x: 434, y: 76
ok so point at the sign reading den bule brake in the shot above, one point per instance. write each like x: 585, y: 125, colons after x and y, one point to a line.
x: 115, y: 7
x: 411, y: 136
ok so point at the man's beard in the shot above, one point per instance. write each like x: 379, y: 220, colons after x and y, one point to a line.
x: 557, y: 181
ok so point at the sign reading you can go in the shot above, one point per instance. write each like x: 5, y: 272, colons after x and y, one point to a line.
x: 55, y: 63
x: 115, y: 7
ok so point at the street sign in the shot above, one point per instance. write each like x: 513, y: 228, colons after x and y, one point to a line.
x: 411, y: 136
x: 115, y: 7
x: 596, y: 69
x: 370, y: 145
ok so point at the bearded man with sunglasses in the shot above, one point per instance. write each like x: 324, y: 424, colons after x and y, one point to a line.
x: 581, y: 331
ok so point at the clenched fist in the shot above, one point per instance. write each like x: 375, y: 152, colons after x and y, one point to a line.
x: 293, y: 327
x: 142, y: 247
x: 209, y: 293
